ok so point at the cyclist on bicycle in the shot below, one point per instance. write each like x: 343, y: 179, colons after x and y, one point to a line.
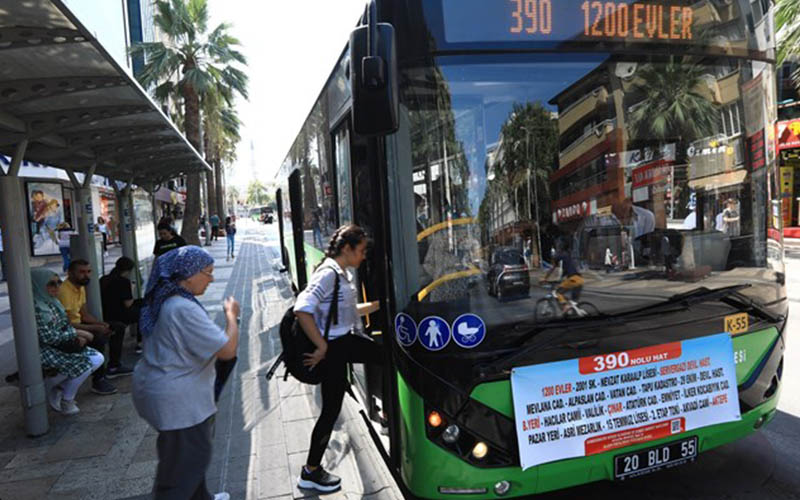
x: 572, y: 279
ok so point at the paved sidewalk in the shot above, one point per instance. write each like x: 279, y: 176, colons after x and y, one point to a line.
x: 262, y: 429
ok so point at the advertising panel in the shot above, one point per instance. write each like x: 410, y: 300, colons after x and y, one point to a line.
x: 45, y: 213
x: 595, y: 404
x: 788, y: 134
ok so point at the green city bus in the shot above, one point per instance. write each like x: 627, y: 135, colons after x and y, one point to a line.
x: 501, y: 152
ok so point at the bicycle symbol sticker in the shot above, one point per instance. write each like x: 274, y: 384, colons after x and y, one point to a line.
x: 434, y: 333
x: 469, y: 330
x: 406, y: 329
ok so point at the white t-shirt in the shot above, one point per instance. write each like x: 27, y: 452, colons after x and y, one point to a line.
x: 316, y: 299
x: 173, y: 383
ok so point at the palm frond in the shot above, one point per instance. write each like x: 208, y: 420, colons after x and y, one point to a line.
x: 198, y: 13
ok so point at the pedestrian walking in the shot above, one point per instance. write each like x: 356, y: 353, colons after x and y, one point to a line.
x: 230, y: 235
x: 64, y: 234
x: 214, y: 220
x: 346, y: 250
x: 173, y: 383
x: 103, y: 230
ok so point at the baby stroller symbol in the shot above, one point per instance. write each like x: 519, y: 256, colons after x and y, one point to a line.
x: 469, y: 330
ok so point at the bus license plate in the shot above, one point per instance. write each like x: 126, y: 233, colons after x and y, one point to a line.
x: 656, y: 458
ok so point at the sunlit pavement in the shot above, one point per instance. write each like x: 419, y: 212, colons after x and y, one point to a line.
x: 262, y: 429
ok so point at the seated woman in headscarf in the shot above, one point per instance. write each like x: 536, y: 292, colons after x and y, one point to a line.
x: 173, y: 383
x: 62, y: 347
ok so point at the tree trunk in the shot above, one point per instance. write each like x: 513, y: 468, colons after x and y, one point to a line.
x: 220, y: 184
x: 191, y: 105
x: 211, y: 193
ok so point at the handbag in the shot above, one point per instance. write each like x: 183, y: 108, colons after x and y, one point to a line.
x: 296, y: 343
x: 71, y: 346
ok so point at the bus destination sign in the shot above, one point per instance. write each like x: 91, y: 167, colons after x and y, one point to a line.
x: 602, y: 403
x: 469, y: 21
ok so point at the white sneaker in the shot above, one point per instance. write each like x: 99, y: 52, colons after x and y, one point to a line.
x: 69, y: 407
x: 222, y: 496
x: 54, y: 398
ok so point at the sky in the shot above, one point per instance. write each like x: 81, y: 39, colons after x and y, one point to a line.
x: 291, y: 49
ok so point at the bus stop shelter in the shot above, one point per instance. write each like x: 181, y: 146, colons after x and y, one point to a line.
x: 65, y: 102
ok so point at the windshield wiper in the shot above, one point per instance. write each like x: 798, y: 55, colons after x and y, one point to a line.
x: 728, y: 295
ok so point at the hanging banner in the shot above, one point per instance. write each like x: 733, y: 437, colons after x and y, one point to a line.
x: 595, y: 404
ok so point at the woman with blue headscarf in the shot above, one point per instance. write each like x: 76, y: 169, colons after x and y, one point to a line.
x: 62, y: 348
x: 173, y: 383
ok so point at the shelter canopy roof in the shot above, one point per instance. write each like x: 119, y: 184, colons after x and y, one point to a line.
x: 61, y: 90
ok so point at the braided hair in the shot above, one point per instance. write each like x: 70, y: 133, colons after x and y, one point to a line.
x: 349, y: 234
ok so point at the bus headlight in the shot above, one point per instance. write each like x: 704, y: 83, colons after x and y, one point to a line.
x: 480, y: 450
x: 450, y: 435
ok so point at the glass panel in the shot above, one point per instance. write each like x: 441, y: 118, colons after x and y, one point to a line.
x: 343, y: 176
x: 311, y: 151
x: 615, y: 177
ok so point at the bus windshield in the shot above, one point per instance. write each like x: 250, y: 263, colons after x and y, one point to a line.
x: 622, y: 180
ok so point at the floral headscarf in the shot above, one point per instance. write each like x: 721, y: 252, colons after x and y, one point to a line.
x: 170, y: 268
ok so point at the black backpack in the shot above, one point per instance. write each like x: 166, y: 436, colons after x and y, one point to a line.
x: 296, y: 343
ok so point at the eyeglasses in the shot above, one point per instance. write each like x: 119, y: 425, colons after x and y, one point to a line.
x: 54, y: 283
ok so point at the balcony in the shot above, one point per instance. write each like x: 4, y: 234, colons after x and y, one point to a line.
x: 581, y: 108
x: 594, y: 136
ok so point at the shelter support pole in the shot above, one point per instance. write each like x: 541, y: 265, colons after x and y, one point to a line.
x: 126, y: 234
x: 87, y: 243
x: 13, y: 221
x: 207, y: 209
x: 154, y: 206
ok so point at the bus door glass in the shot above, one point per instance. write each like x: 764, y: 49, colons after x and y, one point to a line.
x: 357, y: 202
x: 345, y: 193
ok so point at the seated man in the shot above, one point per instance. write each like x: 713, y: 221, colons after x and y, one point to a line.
x: 572, y: 279
x: 119, y: 308
x: 72, y: 296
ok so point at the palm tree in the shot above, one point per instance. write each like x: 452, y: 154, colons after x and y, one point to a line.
x: 257, y: 193
x: 221, y: 126
x: 193, y: 63
x: 787, y: 19
x: 673, y: 108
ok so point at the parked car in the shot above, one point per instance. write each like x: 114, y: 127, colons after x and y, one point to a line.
x: 508, y: 273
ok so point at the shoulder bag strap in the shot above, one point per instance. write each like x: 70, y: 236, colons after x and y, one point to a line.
x: 333, y: 314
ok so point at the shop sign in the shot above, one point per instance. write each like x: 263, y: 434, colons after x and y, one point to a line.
x: 638, y: 157
x: 753, y: 103
x: 652, y: 173
x: 755, y: 148
x: 788, y: 134
x: 599, y: 403
x: 574, y: 211
x: 710, y: 156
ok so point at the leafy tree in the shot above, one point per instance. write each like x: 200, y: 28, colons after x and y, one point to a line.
x: 530, y: 139
x: 257, y: 193
x: 195, y: 61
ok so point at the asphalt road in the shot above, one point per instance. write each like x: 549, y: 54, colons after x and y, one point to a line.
x: 764, y: 466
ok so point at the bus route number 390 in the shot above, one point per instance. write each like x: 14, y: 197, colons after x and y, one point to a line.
x: 611, y: 361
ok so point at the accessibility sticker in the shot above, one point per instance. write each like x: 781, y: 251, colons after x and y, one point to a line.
x: 434, y: 333
x: 406, y: 329
x: 469, y: 330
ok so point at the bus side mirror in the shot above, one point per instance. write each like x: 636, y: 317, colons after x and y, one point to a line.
x: 373, y: 79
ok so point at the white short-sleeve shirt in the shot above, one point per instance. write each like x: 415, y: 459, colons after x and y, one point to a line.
x: 316, y: 299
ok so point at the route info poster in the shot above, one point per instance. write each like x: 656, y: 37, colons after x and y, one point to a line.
x: 600, y: 403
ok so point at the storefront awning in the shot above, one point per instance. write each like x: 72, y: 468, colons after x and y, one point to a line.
x: 63, y: 92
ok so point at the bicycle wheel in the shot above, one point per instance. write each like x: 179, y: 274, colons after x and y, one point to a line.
x: 587, y: 309
x: 545, y: 310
